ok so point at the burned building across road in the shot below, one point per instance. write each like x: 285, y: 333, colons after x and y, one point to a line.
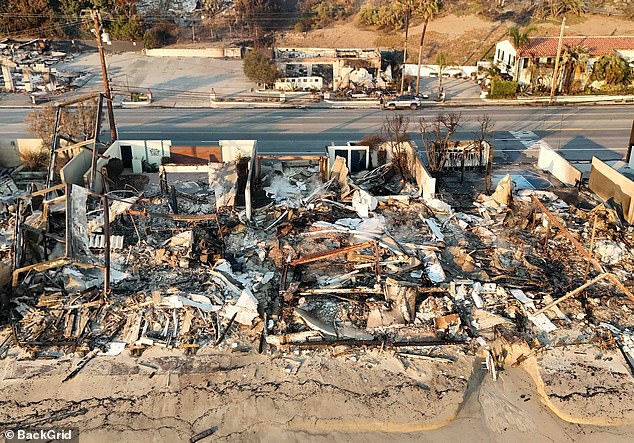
x: 337, y: 67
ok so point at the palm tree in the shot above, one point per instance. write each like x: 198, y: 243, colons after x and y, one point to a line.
x: 573, y: 64
x: 518, y: 36
x: 612, y: 69
x: 441, y: 61
x: 407, y: 5
x: 428, y: 9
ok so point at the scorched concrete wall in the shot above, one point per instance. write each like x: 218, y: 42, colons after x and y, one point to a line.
x: 551, y: 161
x: 608, y: 183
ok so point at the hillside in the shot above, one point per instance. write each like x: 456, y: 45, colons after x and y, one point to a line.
x: 465, y: 38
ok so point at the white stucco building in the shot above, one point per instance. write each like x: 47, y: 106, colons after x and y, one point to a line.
x: 540, y: 52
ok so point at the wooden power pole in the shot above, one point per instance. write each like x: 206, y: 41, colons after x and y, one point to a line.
x: 104, y: 72
x: 554, y: 85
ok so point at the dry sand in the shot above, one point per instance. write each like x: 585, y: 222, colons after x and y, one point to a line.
x: 317, y: 396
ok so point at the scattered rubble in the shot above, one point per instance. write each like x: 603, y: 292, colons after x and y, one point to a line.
x: 323, y: 262
x: 30, y: 67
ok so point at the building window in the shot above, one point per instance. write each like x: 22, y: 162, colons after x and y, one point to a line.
x: 525, y: 63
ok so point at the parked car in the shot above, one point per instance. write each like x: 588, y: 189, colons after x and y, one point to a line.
x: 405, y: 101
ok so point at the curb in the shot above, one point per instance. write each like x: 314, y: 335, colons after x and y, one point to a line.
x: 358, y: 105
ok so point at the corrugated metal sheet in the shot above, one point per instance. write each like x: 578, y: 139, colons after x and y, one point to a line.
x: 98, y: 241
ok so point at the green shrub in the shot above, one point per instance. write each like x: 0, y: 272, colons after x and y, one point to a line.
x: 503, y: 89
x: 124, y: 28
x: 321, y: 13
x: 300, y: 26
x: 613, y: 69
x: 259, y: 67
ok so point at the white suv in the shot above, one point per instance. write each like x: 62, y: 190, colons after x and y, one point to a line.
x: 404, y: 101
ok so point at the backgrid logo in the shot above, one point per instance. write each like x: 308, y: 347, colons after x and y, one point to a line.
x: 35, y: 435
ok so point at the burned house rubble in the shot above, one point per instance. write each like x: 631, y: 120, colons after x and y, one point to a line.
x: 29, y: 67
x: 358, y: 248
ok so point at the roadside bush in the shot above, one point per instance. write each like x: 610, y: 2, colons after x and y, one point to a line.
x: 373, y: 141
x: 159, y: 35
x: 35, y: 160
x: 301, y: 26
x: 124, y: 28
x: 388, y: 15
x: 503, y: 89
x: 259, y: 67
x: 612, y: 69
x: 320, y: 13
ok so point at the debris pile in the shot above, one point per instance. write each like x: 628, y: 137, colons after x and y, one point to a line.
x: 327, y: 259
x: 30, y: 67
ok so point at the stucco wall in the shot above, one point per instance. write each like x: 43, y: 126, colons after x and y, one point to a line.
x: 232, y: 149
x: 507, y: 48
x: 551, y: 161
x: 193, y: 52
x: 151, y: 151
x: 10, y: 150
x: 608, y: 183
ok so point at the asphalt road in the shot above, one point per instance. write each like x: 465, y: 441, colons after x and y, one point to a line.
x: 578, y: 132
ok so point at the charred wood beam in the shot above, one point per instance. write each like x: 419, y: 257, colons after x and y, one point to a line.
x: 572, y: 293
x: 177, y: 217
x: 331, y: 254
x: 385, y: 344
x: 582, y: 250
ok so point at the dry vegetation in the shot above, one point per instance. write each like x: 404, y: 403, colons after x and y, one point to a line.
x: 466, y: 29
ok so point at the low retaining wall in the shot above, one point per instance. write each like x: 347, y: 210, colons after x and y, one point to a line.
x: 195, y: 52
x: 411, y: 69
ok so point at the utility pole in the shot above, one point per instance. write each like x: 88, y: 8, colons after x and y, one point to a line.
x: 193, y: 33
x: 554, y: 85
x: 96, y: 16
x: 405, y: 51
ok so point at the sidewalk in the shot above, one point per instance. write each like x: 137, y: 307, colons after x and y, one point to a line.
x: 202, y: 102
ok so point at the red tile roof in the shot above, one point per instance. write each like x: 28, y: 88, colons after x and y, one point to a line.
x: 597, y: 46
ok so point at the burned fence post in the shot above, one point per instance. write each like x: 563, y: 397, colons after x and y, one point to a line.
x: 106, y: 233
x: 54, y: 146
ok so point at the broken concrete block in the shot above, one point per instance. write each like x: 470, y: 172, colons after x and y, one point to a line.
x: 609, y: 252
x: 504, y: 191
x: 184, y: 239
x: 339, y: 172
x: 363, y: 202
x: 245, y: 309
